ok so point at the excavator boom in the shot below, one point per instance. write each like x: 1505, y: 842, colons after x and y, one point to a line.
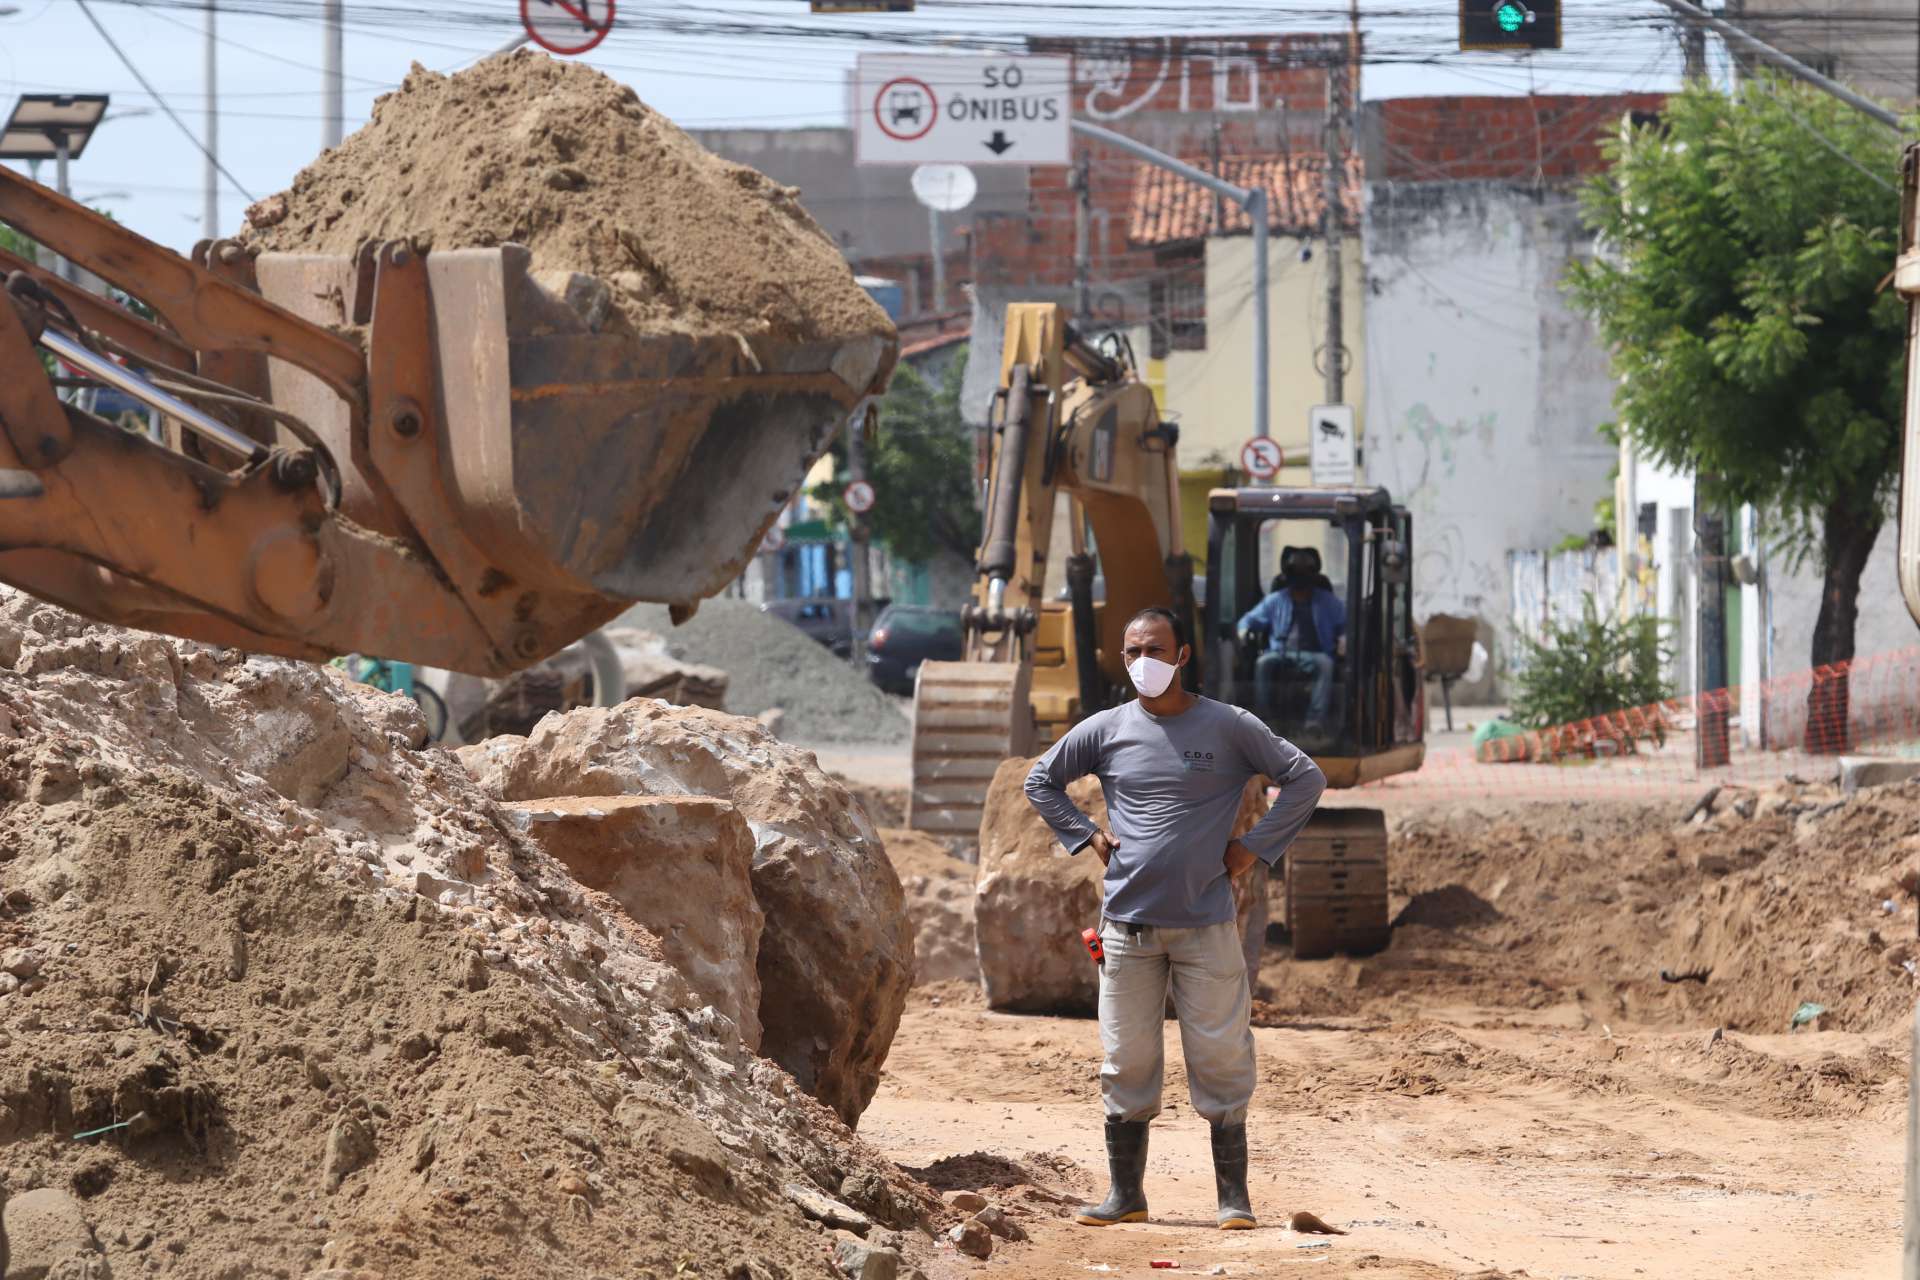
x: 424, y: 456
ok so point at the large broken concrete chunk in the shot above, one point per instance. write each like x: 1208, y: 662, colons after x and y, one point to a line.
x: 836, y: 954
x: 45, y: 1235
x: 682, y: 867
x: 1031, y: 900
x: 1857, y: 773
x: 939, y: 889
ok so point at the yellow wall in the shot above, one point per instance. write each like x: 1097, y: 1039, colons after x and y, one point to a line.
x: 1211, y: 391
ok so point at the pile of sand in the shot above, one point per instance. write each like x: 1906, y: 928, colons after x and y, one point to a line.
x: 556, y: 156
x: 314, y: 1005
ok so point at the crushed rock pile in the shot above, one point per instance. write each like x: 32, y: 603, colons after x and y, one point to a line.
x: 772, y: 664
x: 284, y: 992
x: 1757, y: 901
x: 556, y: 156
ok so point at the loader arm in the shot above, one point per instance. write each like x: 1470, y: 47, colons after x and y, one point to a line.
x: 1072, y: 421
x: 473, y: 482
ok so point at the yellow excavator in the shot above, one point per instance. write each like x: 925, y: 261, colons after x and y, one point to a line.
x: 1073, y: 427
x: 425, y: 456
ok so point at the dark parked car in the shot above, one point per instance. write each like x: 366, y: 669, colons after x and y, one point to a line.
x: 823, y: 618
x: 904, y: 636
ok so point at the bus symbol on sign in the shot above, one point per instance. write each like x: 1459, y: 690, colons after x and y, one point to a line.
x: 905, y: 108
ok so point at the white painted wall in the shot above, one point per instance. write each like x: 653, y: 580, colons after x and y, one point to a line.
x: 1484, y: 389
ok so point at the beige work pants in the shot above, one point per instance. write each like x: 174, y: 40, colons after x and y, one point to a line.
x: 1208, y: 976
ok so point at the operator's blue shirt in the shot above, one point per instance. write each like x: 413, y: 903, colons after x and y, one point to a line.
x: 1274, y: 615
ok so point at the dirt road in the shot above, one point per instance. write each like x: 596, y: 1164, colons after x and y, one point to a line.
x: 1509, y: 1090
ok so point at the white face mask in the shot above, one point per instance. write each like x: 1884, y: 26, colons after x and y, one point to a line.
x: 1151, y: 676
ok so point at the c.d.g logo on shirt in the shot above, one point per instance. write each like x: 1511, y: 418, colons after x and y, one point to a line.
x: 1197, y: 761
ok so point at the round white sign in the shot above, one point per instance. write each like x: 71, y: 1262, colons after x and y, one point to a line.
x: 858, y: 496
x: 1261, y: 457
x: 945, y: 188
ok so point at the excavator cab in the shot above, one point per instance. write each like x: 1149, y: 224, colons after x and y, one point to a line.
x: 1307, y: 622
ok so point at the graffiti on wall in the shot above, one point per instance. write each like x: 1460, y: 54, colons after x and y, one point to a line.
x: 1171, y: 73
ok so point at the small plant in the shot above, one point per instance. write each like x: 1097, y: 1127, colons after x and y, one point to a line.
x: 1601, y: 669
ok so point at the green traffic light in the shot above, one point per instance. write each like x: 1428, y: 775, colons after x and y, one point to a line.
x: 1510, y: 16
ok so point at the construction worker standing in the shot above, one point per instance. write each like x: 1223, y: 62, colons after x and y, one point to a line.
x: 1173, y: 766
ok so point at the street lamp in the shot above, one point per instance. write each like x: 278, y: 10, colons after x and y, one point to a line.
x: 52, y: 125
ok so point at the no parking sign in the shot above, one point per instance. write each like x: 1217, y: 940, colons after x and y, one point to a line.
x: 567, y: 27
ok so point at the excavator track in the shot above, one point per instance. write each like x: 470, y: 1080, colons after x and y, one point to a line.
x: 967, y: 718
x: 1337, y: 884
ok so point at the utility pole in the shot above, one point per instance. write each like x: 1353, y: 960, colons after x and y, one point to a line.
x: 857, y: 532
x: 1711, y: 742
x: 210, y: 209
x: 939, y: 263
x: 1693, y: 48
x: 332, y: 70
x: 1082, y: 182
x: 1331, y: 229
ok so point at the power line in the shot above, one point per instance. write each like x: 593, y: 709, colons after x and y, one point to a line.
x: 161, y: 102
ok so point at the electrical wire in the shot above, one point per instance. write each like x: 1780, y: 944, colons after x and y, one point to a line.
x: 161, y: 102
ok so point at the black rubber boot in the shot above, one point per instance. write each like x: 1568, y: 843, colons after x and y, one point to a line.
x: 1230, y: 1177
x: 1127, y: 1168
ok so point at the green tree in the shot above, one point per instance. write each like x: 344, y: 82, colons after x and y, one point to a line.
x: 1744, y: 240
x: 921, y: 467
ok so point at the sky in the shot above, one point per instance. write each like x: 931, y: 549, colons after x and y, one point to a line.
x: 719, y: 63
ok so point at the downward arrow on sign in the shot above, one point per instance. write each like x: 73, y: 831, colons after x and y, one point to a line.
x: 998, y: 143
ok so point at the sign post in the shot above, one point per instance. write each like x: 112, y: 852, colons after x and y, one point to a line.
x: 1330, y: 449
x: 962, y: 109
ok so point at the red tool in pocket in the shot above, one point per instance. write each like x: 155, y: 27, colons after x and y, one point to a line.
x: 1092, y: 938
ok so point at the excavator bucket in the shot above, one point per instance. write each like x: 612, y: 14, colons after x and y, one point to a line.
x: 968, y: 717
x: 440, y: 457
x: 590, y: 470
x: 1337, y: 884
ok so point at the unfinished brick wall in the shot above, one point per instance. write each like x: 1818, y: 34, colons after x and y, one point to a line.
x: 1458, y: 139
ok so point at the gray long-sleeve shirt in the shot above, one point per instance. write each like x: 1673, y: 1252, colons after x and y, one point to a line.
x: 1173, y: 787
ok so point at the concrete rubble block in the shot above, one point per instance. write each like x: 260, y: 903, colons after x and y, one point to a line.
x: 1031, y: 900
x: 44, y: 1236
x: 821, y: 1207
x: 858, y: 1260
x: 682, y: 867
x: 972, y: 1238
x: 1860, y: 772
x: 939, y: 889
x: 996, y: 1220
x: 836, y: 953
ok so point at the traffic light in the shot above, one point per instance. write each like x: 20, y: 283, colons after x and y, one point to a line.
x: 1509, y: 24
